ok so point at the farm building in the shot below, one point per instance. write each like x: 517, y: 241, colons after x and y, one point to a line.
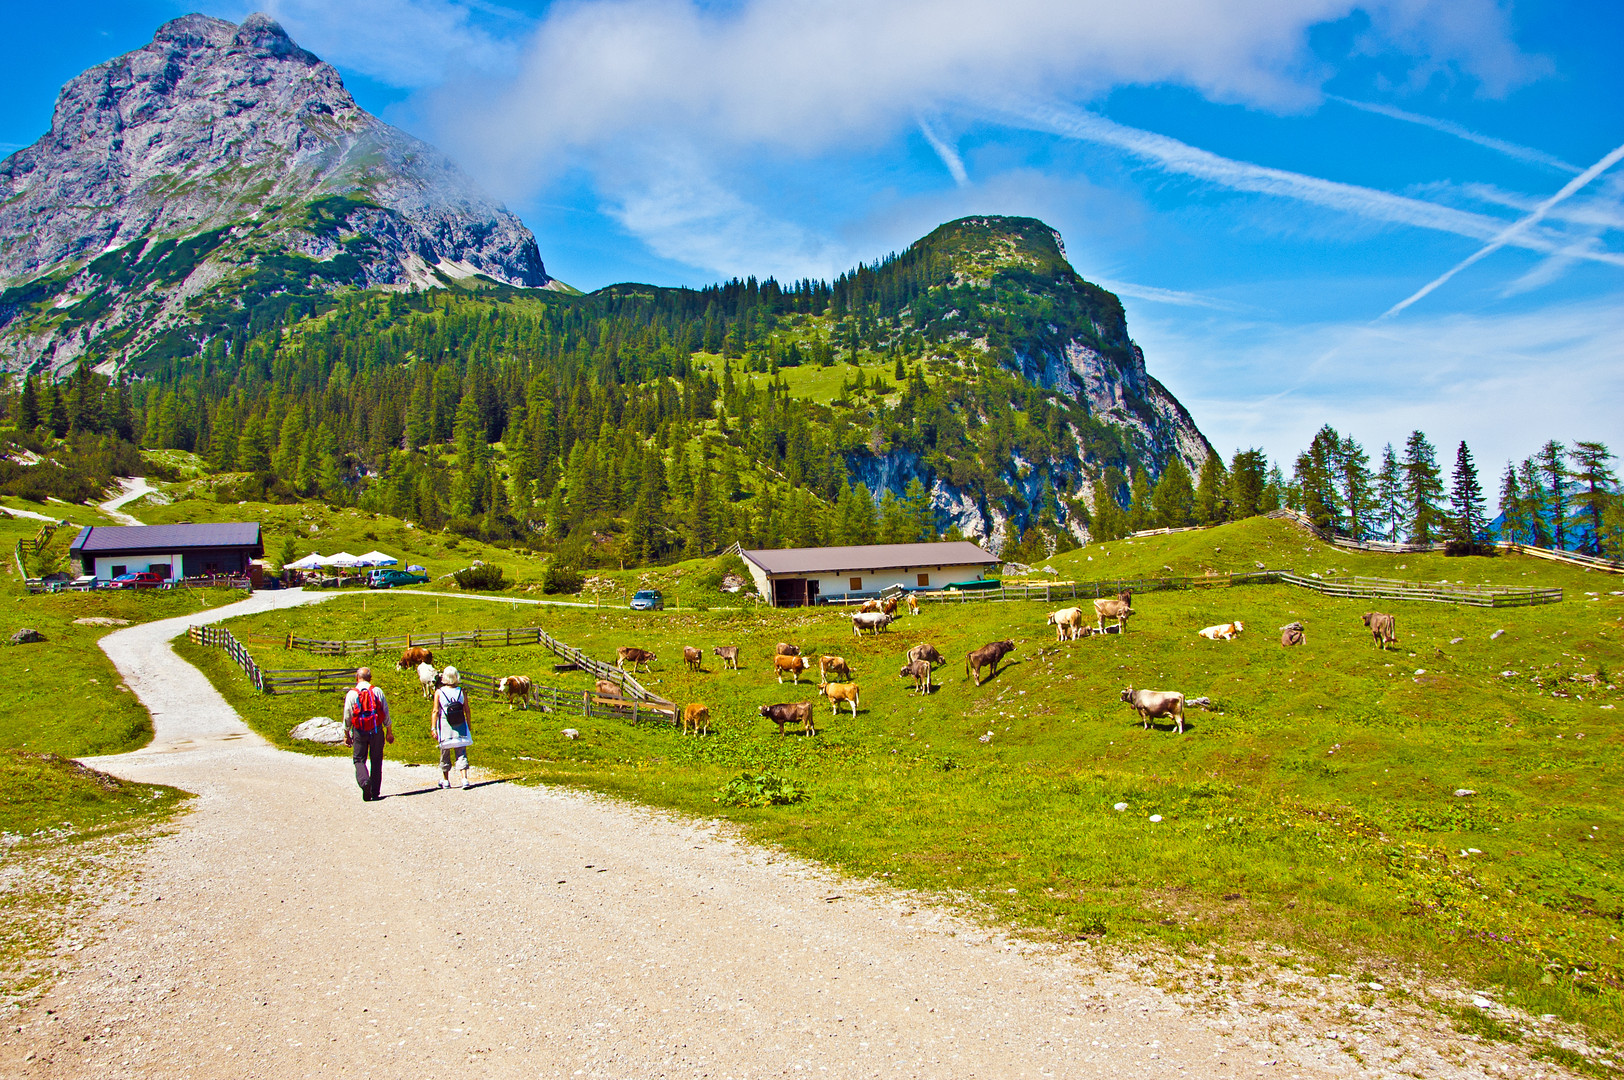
x: 791, y: 577
x: 170, y: 551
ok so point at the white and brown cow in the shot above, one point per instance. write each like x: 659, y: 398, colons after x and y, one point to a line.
x: 1222, y: 632
x: 1117, y: 608
x: 1067, y: 623
x: 794, y: 665
x: 637, y: 657
x: 1156, y: 704
x: 1383, y: 628
x: 515, y: 688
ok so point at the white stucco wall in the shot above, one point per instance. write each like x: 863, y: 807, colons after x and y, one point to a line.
x: 134, y: 564
x: 872, y: 580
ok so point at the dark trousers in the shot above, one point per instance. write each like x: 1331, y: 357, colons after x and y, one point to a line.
x: 369, y: 744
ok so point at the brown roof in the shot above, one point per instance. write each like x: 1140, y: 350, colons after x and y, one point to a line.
x: 839, y: 560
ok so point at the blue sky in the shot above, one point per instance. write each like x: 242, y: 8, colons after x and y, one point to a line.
x: 1381, y: 215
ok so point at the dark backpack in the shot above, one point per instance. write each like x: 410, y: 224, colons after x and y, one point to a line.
x: 455, y: 712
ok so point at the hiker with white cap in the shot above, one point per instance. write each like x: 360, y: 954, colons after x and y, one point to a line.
x: 448, y: 726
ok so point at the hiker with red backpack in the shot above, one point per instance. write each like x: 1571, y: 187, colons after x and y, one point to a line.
x: 367, y: 728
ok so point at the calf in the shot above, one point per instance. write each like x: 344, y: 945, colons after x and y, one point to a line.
x: 795, y: 712
x: 1223, y: 631
x: 927, y: 653
x: 784, y: 648
x: 429, y: 678
x: 792, y: 664
x: 729, y: 655
x: 988, y: 654
x: 1118, y: 609
x: 869, y: 605
x: 832, y: 665
x: 1066, y: 622
x: 1155, y: 704
x: 1383, y: 628
x: 690, y: 656
x: 837, y: 692
x: 920, y: 672
x: 869, y: 620
x: 696, y: 717
x: 638, y: 657
x: 890, y: 604
x: 515, y: 688
x: 414, y: 656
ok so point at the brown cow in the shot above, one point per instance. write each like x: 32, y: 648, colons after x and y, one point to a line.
x: 638, y: 657
x: 1292, y: 634
x: 837, y: 692
x: 1383, y: 628
x: 794, y: 712
x: 926, y: 652
x: 784, y: 648
x: 414, y: 656
x: 1155, y: 704
x: 913, y: 603
x: 988, y: 654
x: 869, y: 605
x: 606, y: 688
x: 515, y: 688
x: 833, y: 665
x: 890, y: 604
x: 729, y: 655
x: 1066, y: 623
x: 1118, y: 609
x: 690, y: 656
x: 920, y: 672
x: 696, y: 717
x: 792, y: 664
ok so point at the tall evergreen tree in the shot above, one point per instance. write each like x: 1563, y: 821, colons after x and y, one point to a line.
x: 55, y: 410
x: 1597, y: 486
x: 1140, y: 511
x: 1468, y: 518
x: 1391, y: 510
x: 1551, y: 461
x: 1211, y: 505
x: 1316, y: 476
x: 1423, y: 489
x: 1247, y: 476
x: 1534, y: 501
x: 1109, y: 521
x: 1513, y: 512
x: 1358, y: 488
x: 1174, y: 497
x: 28, y: 410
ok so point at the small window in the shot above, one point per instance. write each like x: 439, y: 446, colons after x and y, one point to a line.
x: 856, y: 584
x: 161, y: 569
x: 117, y: 571
x: 924, y: 580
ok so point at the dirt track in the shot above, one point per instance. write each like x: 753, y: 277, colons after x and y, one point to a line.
x: 287, y: 929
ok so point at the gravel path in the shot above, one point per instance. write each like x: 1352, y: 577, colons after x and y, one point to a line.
x: 285, y: 929
x: 134, y: 487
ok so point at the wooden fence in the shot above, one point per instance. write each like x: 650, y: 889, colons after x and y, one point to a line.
x: 1572, y: 558
x: 220, y: 638
x: 1381, y: 547
x: 1491, y: 596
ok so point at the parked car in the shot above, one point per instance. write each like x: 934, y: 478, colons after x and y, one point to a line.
x: 143, y: 579
x: 648, y: 600
x: 388, y: 579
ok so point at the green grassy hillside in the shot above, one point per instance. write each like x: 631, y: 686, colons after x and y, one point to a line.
x: 1315, y: 805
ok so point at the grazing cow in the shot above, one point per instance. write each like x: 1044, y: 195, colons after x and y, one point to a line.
x: 638, y: 657
x: 837, y: 692
x: 794, y: 712
x: 429, y: 678
x: 920, y: 672
x: 696, y: 717
x: 515, y: 688
x: 729, y: 655
x: 869, y: 620
x: 792, y: 664
x: 869, y: 605
x: 926, y: 652
x: 1066, y: 622
x: 1223, y: 631
x: 1118, y: 609
x: 784, y: 648
x: 690, y: 656
x: 913, y: 603
x: 606, y: 688
x: 1383, y: 628
x: 1292, y: 634
x: 832, y: 665
x: 988, y: 655
x: 890, y: 604
x: 1154, y: 704
x: 414, y: 656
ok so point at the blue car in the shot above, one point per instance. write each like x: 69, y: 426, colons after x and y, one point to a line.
x: 648, y: 600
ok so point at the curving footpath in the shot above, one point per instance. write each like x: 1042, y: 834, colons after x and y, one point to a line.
x: 286, y: 929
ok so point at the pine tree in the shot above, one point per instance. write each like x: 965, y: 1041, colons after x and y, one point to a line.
x: 1551, y: 461
x: 1390, y: 508
x: 1358, y: 496
x: 1246, y: 479
x: 56, y: 410
x: 28, y: 410
x: 1315, y: 477
x: 1423, y: 489
x: 1274, y: 490
x: 1109, y: 520
x: 1534, y: 504
x: 1597, y: 487
x: 1468, y: 519
x: 1140, y: 511
x: 921, y: 516
x: 1174, y: 498
x: 1513, y: 512
x: 1211, y: 506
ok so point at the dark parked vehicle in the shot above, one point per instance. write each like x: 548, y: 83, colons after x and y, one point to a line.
x: 144, y: 579
x: 388, y: 579
x: 648, y: 600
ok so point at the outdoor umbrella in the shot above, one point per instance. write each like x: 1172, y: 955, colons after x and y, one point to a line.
x: 378, y: 558
x: 343, y: 560
x: 313, y: 561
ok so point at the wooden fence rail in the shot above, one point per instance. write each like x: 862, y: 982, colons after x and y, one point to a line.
x: 220, y: 638
x: 1572, y: 558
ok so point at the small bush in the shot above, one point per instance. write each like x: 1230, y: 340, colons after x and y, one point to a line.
x: 763, y: 790
x: 488, y: 578
x: 562, y: 579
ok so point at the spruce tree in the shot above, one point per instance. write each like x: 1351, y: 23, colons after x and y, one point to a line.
x: 1390, y: 510
x: 1596, y: 488
x: 1245, y: 486
x: 1513, y: 512
x: 1534, y: 503
x: 28, y: 410
x: 921, y: 516
x: 56, y: 410
x: 1211, y: 507
x: 1468, y: 518
x: 1174, y: 498
x: 1551, y: 461
x: 1316, y: 476
x: 1423, y: 489
x: 1358, y: 494
x: 1140, y: 511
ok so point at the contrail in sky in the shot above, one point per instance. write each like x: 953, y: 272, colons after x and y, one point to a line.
x: 1509, y: 149
x: 1512, y: 231
x: 950, y: 157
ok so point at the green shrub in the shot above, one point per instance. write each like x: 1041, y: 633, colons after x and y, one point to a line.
x: 763, y: 790
x: 487, y: 577
x: 718, y: 568
x: 561, y: 579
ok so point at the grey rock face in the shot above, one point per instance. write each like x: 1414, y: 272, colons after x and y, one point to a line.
x: 319, y: 729
x: 214, y: 126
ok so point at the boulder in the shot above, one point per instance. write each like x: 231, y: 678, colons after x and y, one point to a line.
x: 100, y: 620
x: 26, y: 636
x: 320, y: 729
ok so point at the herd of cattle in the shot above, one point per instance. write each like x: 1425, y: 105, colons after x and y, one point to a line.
x: 920, y: 663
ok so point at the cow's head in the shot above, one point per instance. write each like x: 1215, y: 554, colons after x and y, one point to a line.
x: 1127, y: 695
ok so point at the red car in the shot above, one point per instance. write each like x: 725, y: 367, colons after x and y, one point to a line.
x: 144, y: 579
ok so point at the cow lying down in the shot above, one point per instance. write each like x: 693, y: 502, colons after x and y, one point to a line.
x: 1156, y: 704
x: 1223, y: 631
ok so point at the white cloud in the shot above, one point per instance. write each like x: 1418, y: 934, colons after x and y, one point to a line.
x: 1448, y: 127
x: 411, y: 44
x: 948, y: 154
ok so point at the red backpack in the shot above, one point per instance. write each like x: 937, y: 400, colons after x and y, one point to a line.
x: 365, y: 716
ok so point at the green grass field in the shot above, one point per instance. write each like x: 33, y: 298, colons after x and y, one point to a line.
x: 1314, y: 806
